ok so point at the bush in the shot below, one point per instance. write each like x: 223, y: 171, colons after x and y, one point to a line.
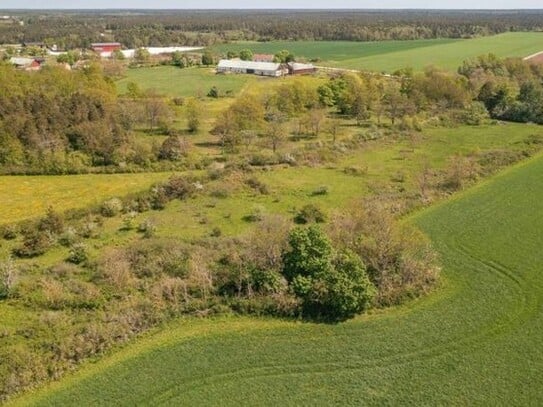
x: 111, y: 207
x: 174, y: 148
x: 68, y: 237
x: 256, y: 215
x: 258, y: 185
x: 128, y: 220
x: 35, y: 243
x: 179, y: 188
x: 52, y: 222
x: 322, y: 190
x: 310, y: 213
x: 78, y: 253
x: 400, y: 261
x: 9, y: 232
x: 8, y: 277
x: 159, y: 199
x: 355, y: 171
x: 148, y: 228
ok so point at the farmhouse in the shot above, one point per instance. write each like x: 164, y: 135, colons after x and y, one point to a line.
x: 296, y: 68
x: 252, y: 67
x: 263, y: 58
x: 105, y: 48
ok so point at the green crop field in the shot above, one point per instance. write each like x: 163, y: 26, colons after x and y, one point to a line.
x: 24, y: 197
x: 391, y: 55
x: 331, y: 50
x: 475, y: 341
x: 172, y: 81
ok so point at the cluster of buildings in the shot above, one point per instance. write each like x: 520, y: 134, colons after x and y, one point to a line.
x: 263, y: 65
x: 106, y: 49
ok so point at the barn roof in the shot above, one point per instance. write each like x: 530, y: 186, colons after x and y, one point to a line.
x: 19, y: 61
x: 263, y: 66
x: 297, y: 66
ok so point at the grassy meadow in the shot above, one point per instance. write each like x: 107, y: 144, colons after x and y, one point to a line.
x: 387, y: 56
x: 26, y: 197
x: 476, y: 340
x: 176, y: 82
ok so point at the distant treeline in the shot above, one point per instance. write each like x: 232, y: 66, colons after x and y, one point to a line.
x: 157, y: 28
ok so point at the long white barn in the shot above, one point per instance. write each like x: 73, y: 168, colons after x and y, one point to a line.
x: 251, y: 67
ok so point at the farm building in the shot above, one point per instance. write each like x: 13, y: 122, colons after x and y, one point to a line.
x: 263, y: 58
x: 28, y: 64
x: 251, y: 67
x: 296, y: 68
x: 105, y: 48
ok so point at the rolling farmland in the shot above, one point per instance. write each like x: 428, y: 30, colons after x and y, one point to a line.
x: 391, y: 55
x: 474, y: 341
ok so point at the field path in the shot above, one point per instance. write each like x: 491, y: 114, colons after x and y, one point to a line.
x: 475, y: 341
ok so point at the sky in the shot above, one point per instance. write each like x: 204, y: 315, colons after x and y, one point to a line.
x: 240, y: 4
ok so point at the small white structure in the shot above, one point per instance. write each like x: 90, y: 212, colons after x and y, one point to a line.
x: 251, y: 67
x: 296, y: 68
x: 129, y: 53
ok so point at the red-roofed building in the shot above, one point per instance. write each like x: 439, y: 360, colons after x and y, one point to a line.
x: 263, y: 58
x: 105, y: 47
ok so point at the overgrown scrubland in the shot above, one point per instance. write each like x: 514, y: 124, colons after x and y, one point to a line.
x: 291, y: 207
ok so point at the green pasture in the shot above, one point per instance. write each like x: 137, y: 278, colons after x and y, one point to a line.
x: 176, y: 82
x: 474, y: 341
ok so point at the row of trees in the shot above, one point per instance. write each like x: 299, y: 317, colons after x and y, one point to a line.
x: 58, y: 121
x: 155, y: 28
x: 510, y: 89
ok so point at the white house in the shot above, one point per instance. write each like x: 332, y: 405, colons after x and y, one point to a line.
x: 251, y: 67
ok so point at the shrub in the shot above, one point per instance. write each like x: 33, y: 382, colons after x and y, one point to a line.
x: 310, y: 213
x: 78, y: 253
x: 35, y: 243
x: 111, y: 207
x: 174, y: 148
x: 355, y: 171
x: 52, y: 222
x: 216, y: 232
x: 213, y: 92
x: 256, y: 215
x: 9, y: 232
x: 399, y: 259
x: 257, y: 185
x: 128, y: 220
x: 219, y: 192
x: 178, y: 101
x: 159, y: 199
x: 90, y: 228
x: 9, y: 275
x: 322, y: 190
x: 68, y: 237
x: 179, y: 188
x: 148, y: 228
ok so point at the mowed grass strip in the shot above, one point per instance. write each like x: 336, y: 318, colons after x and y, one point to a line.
x: 25, y: 197
x: 476, y: 340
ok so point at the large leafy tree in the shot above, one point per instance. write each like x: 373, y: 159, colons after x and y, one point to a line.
x: 330, y: 285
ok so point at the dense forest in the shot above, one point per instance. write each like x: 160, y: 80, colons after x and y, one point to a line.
x: 157, y: 28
